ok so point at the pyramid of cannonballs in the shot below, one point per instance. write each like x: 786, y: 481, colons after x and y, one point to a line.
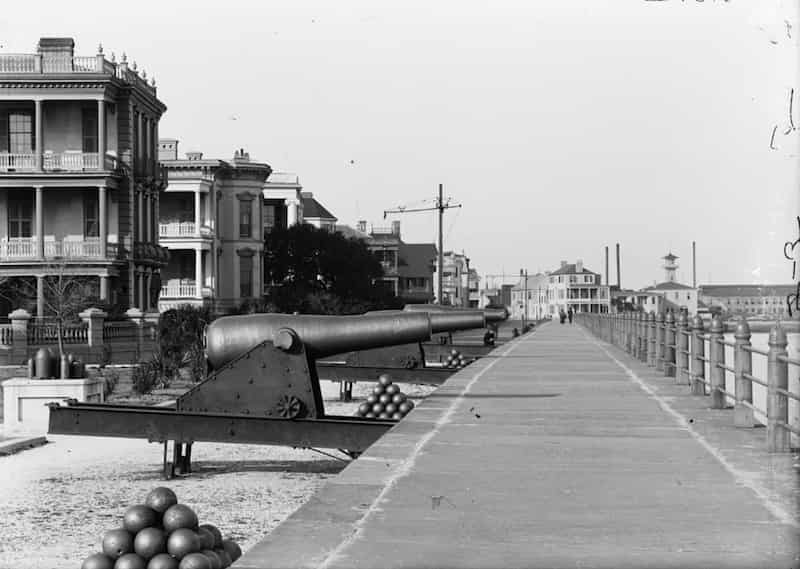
x: 385, y: 402
x: 455, y: 360
x: 163, y: 534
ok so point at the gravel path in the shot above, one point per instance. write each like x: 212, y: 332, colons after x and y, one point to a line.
x: 57, y: 500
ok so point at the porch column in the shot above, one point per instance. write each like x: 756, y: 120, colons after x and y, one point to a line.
x: 148, y: 284
x: 140, y: 209
x: 39, y: 296
x: 139, y: 153
x: 39, y: 206
x: 140, y: 278
x: 291, y: 212
x: 103, y: 215
x: 101, y: 134
x: 197, y: 218
x: 37, y: 118
x: 149, y: 198
x: 198, y: 272
x: 103, y: 287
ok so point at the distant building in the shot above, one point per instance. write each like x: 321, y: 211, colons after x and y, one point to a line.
x: 530, y: 299
x: 768, y: 301
x: 210, y: 220
x: 574, y: 286
x: 282, y: 205
x: 316, y: 214
x: 408, y: 267
x: 473, y: 286
x: 79, y: 173
x: 669, y: 294
x: 455, y: 283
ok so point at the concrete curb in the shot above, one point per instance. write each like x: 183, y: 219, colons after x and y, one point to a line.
x: 16, y: 444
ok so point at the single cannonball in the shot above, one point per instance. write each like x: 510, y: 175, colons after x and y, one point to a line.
x: 379, y: 390
x: 130, y: 561
x: 372, y: 399
x: 385, y: 399
x: 392, y: 389
x: 454, y: 352
x: 163, y: 561
x: 232, y: 548
x: 195, y: 561
x: 117, y: 542
x: 224, y: 557
x: 149, y: 542
x: 384, y: 415
x: 370, y: 415
x: 384, y: 379
x: 377, y: 408
x: 364, y: 408
x: 161, y: 499
x: 179, y: 516
x: 215, y: 532
x: 98, y: 561
x: 136, y: 518
x: 216, y: 562
x: 398, y: 398
x: 391, y: 408
x: 182, y: 542
x: 206, y: 538
x: 405, y: 407
x: 397, y: 416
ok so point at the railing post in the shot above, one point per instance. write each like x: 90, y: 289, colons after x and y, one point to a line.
x: 651, y: 339
x: 743, y: 364
x: 660, y: 342
x: 778, y: 436
x: 697, y: 374
x: 94, y: 318
x: 669, y: 345
x: 716, y: 361
x: 643, y: 336
x: 20, y: 319
x: 627, y: 319
x: 682, y: 353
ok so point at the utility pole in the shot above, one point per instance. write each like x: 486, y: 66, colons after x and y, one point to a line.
x: 525, y: 302
x: 441, y: 205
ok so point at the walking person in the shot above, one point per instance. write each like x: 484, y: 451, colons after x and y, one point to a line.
x: 569, y: 314
x: 562, y: 315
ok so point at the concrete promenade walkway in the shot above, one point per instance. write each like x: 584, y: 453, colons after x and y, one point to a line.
x: 556, y: 451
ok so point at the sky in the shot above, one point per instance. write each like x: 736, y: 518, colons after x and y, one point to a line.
x: 560, y: 127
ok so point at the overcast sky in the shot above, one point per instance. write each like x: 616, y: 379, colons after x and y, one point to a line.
x: 560, y: 126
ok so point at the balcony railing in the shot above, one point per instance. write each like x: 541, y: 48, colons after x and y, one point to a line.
x: 69, y: 161
x: 25, y: 248
x: 177, y: 229
x: 179, y: 291
x: 35, y: 63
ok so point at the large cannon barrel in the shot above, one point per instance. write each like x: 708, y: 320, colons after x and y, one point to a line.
x: 492, y: 314
x: 446, y: 321
x: 231, y: 336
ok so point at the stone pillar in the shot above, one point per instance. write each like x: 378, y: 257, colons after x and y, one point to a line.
x: 19, y: 329
x: 37, y: 119
x: 140, y: 210
x: 743, y: 365
x: 102, y: 213
x: 137, y: 317
x: 140, y: 283
x: 40, y: 296
x: 94, y: 318
x: 104, y: 287
x: 716, y: 371
x: 197, y: 218
x: 39, y: 207
x: 198, y: 271
x: 149, y: 233
x: 778, y: 436
x: 291, y: 212
x: 101, y: 133
x: 148, y: 302
x: 698, y: 373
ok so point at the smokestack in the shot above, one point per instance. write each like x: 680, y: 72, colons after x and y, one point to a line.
x: 694, y: 265
x: 619, y: 279
x: 608, y: 280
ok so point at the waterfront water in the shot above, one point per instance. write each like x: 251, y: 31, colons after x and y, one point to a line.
x: 760, y: 341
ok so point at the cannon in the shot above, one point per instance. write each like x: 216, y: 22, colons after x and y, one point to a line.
x: 494, y: 316
x: 264, y: 387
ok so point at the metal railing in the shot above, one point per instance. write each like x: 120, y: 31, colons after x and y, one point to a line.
x: 25, y: 248
x: 699, y: 358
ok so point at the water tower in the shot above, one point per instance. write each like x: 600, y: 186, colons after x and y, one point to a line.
x: 670, y: 266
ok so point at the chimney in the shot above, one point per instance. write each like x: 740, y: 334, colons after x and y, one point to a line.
x: 57, y: 52
x: 241, y: 156
x: 579, y: 266
x: 619, y: 280
x: 167, y: 149
x: 694, y: 265
x: 362, y: 225
x: 396, y: 228
x: 608, y: 280
x: 194, y: 155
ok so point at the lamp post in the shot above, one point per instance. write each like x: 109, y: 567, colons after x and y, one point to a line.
x: 525, y: 302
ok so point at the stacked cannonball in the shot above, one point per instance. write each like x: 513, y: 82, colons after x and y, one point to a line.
x: 385, y: 402
x: 163, y: 534
x: 455, y: 360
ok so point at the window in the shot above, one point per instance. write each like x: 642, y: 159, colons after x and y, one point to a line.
x: 245, y: 276
x: 269, y: 218
x: 20, y: 133
x: 245, y: 217
x: 20, y: 216
x: 91, y: 219
x: 89, y: 127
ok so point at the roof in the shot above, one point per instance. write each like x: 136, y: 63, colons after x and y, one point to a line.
x: 747, y: 290
x: 351, y: 232
x: 416, y: 259
x: 667, y: 285
x: 569, y: 269
x: 313, y: 209
x: 670, y: 257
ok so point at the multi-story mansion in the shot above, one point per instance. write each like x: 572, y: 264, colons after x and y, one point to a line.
x: 529, y: 299
x: 455, y: 282
x: 79, y: 174
x: 574, y: 286
x: 212, y: 221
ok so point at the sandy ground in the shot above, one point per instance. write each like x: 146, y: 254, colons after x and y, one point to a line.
x: 57, y: 500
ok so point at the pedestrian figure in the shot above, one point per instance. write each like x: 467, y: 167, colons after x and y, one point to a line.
x: 569, y: 314
x: 562, y: 315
